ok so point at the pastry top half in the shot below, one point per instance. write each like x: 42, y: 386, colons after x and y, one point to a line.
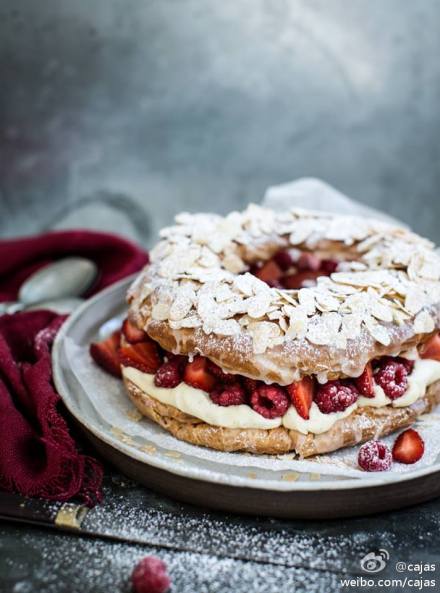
x: 198, y: 295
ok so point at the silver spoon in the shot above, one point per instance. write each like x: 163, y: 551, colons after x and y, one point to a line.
x: 60, y: 306
x: 57, y: 286
x: 68, y: 277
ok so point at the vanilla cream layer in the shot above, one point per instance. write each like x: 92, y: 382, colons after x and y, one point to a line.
x: 198, y: 403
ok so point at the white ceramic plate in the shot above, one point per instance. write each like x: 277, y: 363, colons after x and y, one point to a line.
x: 149, y: 454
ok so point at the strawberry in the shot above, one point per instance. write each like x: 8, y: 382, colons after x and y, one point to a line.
x: 143, y: 356
x: 132, y: 333
x: 297, y: 280
x: 270, y: 272
x: 431, y: 349
x: 301, y: 394
x: 106, y: 354
x: 408, y: 447
x: 197, y: 374
x: 365, y: 383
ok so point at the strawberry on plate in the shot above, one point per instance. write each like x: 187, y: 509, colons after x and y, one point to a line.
x: 431, y: 349
x: 106, y: 354
x: 301, y: 394
x: 131, y: 333
x: 408, y: 447
x: 196, y: 374
x: 365, y: 383
x: 143, y: 356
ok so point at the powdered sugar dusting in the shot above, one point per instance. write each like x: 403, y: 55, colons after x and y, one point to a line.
x: 198, y: 279
x: 102, y: 402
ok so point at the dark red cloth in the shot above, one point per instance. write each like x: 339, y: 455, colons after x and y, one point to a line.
x: 115, y: 257
x: 38, y: 456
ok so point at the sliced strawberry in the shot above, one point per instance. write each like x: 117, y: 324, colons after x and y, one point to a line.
x: 408, y: 447
x: 132, y: 333
x: 106, y: 354
x: 431, y: 349
x: 143, y: 356
x: 297, y: 280
x: 197, y: 374
x: 270, y: 272
x: 365, y: 383
x: 301, y: 394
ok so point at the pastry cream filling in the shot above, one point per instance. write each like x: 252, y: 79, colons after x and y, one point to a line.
x: 317, y: 422
x: 198, y: 403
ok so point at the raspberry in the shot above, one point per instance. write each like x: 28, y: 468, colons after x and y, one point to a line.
x: 249, y: 384
x: 283, y: 259
x: 177, y: 358
x: 229, y: 395
x: 392, y: 376
x: 308, y: 261
x: 215, y: 370
x: 335, y: 396
x: 270, y: 401
x: 375, y: 456
x: 328, y: 266
x: 407, y: 363
x: 169, y: 374
x: 150, y: 576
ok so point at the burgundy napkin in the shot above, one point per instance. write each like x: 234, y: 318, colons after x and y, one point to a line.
x: 114, y: 256
x: 38, y: 456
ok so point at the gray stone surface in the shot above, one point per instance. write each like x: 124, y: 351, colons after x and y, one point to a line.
x: 209, y: 552
x: 201, y: 104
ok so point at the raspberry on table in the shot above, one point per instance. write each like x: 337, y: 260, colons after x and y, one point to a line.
x: 229, y: 395
x: 392, y: 376
x: 375, y: 456
x: 169, y: 374
x: 335, y: 396
x: 270, y: 401
x: 150, y: 576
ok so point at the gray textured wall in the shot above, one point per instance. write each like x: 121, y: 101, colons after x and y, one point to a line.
x: 156, y: 106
